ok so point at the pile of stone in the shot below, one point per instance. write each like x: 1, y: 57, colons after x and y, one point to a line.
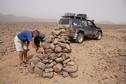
x: 54, y: 57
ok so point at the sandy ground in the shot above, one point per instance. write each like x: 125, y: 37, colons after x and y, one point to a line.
x: 99, y: 61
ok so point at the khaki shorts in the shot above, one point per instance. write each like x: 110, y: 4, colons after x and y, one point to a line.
x: 19, y: 45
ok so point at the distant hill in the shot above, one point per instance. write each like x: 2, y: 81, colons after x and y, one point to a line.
x: 13, y: 18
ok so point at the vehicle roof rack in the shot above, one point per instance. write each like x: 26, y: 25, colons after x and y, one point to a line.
x: 82, y: 16
x: 73, y: 15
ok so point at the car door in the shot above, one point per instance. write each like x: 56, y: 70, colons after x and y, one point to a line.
x: 77, y: 24
x: 91, y: 28
x: 86, y: 28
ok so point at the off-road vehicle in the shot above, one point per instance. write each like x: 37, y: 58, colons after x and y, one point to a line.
x: 80, y: 27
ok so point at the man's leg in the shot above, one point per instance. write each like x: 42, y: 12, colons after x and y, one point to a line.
x: 19, y: 48
x: 21, y: 56
x: 25, y: 46
x: 25, y: 56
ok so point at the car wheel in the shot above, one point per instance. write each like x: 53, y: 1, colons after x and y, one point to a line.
x: 80, y: 38
x: 98, y: 35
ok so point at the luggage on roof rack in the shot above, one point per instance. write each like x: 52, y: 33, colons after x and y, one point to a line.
x: 83, y: 16
x: 69, y: 15
x: 73, y: 15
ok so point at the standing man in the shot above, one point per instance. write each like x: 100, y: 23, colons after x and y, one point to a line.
x: 22, y: 41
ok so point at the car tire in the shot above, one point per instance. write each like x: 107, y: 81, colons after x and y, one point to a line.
x: 99, y: 35
x: 80, y: 38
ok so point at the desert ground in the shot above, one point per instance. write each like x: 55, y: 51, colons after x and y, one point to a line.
x: 99, y: 61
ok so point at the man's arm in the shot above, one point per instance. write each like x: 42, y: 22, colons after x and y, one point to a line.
x: 33, y: 45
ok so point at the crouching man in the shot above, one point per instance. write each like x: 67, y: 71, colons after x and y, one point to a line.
x: 22, y: 41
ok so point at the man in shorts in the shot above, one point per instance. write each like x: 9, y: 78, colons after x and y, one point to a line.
x: 22, y: 41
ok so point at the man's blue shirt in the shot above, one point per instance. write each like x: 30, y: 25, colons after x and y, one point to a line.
x: 25, y: 35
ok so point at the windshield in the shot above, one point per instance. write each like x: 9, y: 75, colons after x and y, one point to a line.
x: 64, y: 21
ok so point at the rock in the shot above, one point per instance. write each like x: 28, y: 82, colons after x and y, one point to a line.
x: 57, y: 32
x: 40, y: 50
x: 66, y: 61
x: 63, y: 30
x: 48, y: 70
x: 71, y: 63
x: 50, y: 61
x: 73, y: 75
x: 67, y: 41
x: 50, y: 39
x: 65, y: 50
x: 65, y: 56
x: 58, y: 49
x: 52, y: 46
x: 48, y: 51
x: 52, y: 56
x: 58, y: 67
x: 31, y: 68
x: 54, y: 34
x: 65, y: 74
x: 34, y: 60
x: 62, y: 45
x: 67, y: 46
x: 45, y: 56
x: 55, y: 41
x: 40, y: 65
x: 51, y: 64
x: 48, y: 75
x: 59, y: 59
x: 38, y: 71
x: 62, y: 40
x: 40, y: 56
x: 70, y: 69
x: 59, y: 54
x: 45, y: 61
x: 46, y: 45
x: 30, y: 57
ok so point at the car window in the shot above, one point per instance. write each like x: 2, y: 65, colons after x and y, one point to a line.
x: 64, y: 21
x: 90, y: 23
x: 84, y: 23
x: 76, y: 22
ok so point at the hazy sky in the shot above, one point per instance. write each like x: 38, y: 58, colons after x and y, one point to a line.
x: 105, y: 10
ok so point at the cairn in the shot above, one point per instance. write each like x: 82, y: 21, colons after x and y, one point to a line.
x: 54, y: 57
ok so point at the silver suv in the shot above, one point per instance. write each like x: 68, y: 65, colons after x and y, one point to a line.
x: 80, y: 27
